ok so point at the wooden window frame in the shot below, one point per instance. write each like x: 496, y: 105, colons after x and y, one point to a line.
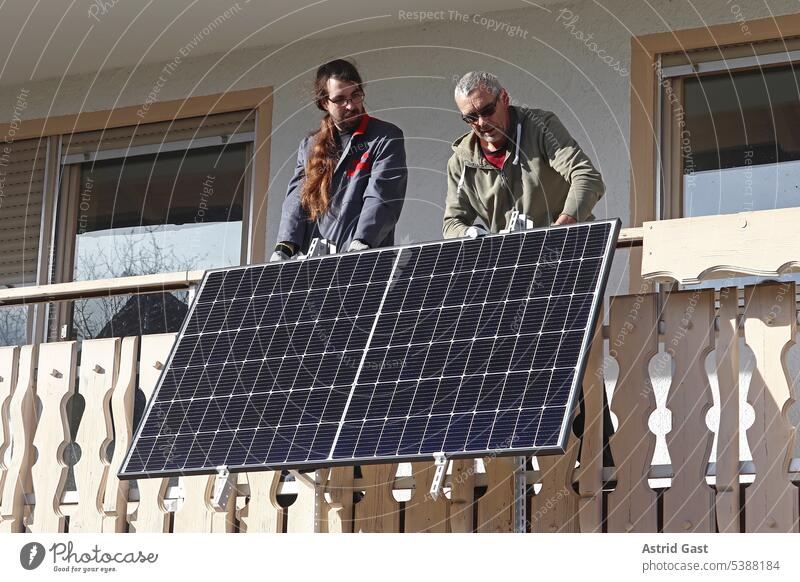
x: 646, y: 113
x: 259, y: 99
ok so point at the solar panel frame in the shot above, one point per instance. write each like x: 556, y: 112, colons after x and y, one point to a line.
x: 330, y: 461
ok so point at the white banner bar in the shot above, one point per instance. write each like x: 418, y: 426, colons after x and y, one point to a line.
x: 388, y: 557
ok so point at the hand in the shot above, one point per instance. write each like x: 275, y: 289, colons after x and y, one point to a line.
x: 476, y: 230
x: 357, y: 245
x: 565, y: 219
x: 278, y: 256
x: 283, y: 251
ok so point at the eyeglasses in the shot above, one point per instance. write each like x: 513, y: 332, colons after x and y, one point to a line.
x: 487, y: 111
x: 356, y: 98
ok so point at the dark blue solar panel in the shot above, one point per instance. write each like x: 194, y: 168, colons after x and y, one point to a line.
x: 465, y: 347
x: 484, y: 343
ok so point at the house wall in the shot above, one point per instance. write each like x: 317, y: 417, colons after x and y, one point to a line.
x: 411, y: 71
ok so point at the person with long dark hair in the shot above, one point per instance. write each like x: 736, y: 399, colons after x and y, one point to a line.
x: 349, y: 183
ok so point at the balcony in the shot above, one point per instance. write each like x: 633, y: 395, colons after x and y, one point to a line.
x: 701, y: 384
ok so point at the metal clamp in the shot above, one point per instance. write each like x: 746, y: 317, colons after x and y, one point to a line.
x: 517, y: 221
x: 520, y: 494
x: 316, y: 480
x: 223, y: 487
x: 304, y: 477
x: 320, y: 247
x: 441, y: 461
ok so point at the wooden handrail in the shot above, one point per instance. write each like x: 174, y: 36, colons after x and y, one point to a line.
x: 762, y: 243
x: 628, y: 237
x: 100, y: 288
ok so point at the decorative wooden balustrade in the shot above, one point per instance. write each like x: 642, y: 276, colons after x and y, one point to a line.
x: 653, y: 356
x: 572, y: 492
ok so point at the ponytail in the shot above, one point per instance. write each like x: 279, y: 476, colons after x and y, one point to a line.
x: 315, y: 192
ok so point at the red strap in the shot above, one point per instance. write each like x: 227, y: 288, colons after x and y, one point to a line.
x: 362, y: 164
x: 362, y: 125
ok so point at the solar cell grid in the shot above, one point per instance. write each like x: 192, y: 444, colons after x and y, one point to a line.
x: 464, y: 346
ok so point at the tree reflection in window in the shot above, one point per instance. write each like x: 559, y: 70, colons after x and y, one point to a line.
x: 150, y: 214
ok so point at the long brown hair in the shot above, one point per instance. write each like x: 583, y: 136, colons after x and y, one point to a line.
x: 315, y: 193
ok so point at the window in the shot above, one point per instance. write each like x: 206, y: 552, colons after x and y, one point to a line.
x: 745, y: 127
x: 160, y: 213
x: 729, y: 131
x: 661, y: 65
x: 129, y: 191
x: 22, y: 177
x: 149, y: 199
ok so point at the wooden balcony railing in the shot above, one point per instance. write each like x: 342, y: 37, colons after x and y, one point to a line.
x: 653, y: 355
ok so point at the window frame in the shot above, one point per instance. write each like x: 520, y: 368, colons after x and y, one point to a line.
x: 51, y: 266
x: 646, y: 120
x: 70, y: 192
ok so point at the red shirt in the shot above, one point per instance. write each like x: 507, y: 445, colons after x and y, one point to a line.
x: 495, y: 158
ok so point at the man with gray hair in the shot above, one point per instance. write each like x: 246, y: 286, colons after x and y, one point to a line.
x: 514, y: 158
x: 522, y: 159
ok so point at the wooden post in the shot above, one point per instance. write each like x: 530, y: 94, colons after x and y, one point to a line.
x: 151, y: 515
x: 262, y: 514
x: 305, y: 514
x: 633, y: 341
x: 770, y: 326
x: 55, y: 386
x: 99, y: 362
x: 689, y: 329
x: 590, y: 475
x: 20, y: 412
x: 378, y: 511
x: 423, y: 513
x: 462, y: 496
x: 340, y: 490
x: 196, y: 514
x: 728, y: 457
x: 555, y: 507
x: 496, y: 506
x: 9, y: 357
x: 115, y: 497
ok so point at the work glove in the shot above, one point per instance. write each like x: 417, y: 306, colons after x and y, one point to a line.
x: 476, y: 231
x: 278, y: 256
x: 358, y: 245
x: 283, y: 252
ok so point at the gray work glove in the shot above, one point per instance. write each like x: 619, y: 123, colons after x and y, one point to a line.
x: 278, y: 256
x: 358, y: 245
x: 476, y: 231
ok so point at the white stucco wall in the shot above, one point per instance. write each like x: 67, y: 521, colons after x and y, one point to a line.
x: 411, y: 71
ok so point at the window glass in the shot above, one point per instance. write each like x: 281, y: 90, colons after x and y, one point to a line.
x: 741, y: 148
x: 150, y: 214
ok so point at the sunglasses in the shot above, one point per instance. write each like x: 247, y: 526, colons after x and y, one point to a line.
x: 487, y: 111
x: 356, y: 98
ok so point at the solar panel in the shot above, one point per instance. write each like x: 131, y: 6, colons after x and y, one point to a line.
x: 468, y: 347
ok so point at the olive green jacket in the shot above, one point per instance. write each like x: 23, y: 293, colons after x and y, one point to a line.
x: 545, y: 174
